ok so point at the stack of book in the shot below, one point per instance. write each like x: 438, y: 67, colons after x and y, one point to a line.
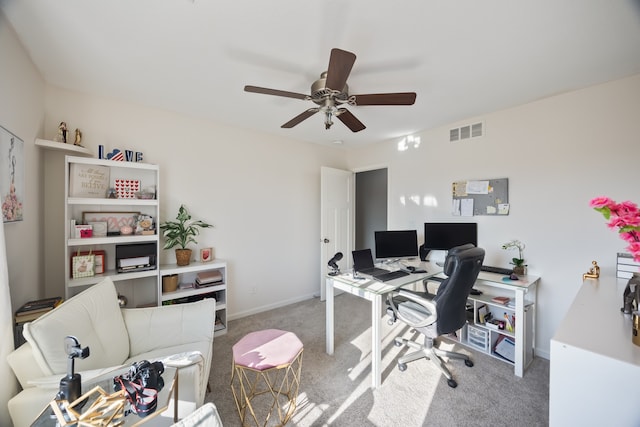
x: 34, y: 309
x: 208, y: 278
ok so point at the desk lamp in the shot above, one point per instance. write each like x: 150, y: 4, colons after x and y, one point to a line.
x: 335, y: 270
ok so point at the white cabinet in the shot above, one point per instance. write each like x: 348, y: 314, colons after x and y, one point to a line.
x: 189, y: 291
x: 138, y: 286
x: 595, y: 366
x: 518, y: 344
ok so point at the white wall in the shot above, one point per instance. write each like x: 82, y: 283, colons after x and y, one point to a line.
x: 261, y: 193
x: 22, y: 112
x: 557, y: 153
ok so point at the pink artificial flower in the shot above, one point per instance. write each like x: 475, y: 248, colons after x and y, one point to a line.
x: 625, y: 217
x: 630, y: 236
x: 601, y: 202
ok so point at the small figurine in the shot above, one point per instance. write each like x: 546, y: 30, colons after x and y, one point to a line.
x: 111, y: 193
x: 78, y: 138
x: 62, y: 133
x: 593, y: 273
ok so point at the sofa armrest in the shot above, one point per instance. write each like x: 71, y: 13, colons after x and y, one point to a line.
x: 24, y: 365
x: 153, y: 328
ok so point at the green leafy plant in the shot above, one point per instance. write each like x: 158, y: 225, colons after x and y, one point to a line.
x: 181, y: 232
x: 518, y: 262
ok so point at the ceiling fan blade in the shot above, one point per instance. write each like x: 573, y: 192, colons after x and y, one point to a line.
x: 400, y: 98
x: 350, y: 120
x: 300, y: 117
x: 340, y: 64
x: 276, y: 92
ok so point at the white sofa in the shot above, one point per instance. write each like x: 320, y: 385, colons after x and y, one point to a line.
x: 179, y: 335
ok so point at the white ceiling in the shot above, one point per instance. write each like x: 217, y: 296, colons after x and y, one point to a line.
x: 463, y: 58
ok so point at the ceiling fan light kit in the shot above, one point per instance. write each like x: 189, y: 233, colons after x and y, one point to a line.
x: 331, y: 91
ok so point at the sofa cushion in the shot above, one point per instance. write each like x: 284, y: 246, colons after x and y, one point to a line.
x: 94, y: 318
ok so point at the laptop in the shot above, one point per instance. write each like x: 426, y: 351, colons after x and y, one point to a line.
x: 363, y: 263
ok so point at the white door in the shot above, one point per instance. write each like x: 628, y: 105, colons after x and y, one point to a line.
x: 337, y: 213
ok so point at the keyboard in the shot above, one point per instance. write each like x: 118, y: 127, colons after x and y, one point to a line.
x: 391, y: 275
x: 498, y: 270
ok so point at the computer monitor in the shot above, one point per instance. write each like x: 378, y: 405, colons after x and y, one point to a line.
x: 395, y: 244
x: 446, y: 235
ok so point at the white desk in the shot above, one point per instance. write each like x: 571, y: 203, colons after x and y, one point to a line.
x: 523, y: 291
x: 373, y: 291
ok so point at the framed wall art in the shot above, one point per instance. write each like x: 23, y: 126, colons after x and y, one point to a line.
x: 12, y: 176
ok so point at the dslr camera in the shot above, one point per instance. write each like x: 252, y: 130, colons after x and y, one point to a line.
x: 148, y: 374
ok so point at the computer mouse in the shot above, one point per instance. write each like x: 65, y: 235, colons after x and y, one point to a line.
x: 475, y: 291
x: 411, y: 268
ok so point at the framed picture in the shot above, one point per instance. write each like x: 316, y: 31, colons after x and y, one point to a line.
x: 206, y: 254
x: 114, y: 220
x: 99, y: 228
x: 11, y: 176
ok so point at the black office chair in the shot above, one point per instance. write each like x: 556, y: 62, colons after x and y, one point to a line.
x: 440, y: 314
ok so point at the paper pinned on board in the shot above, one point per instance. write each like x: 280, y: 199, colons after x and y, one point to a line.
x: 503, y: 209
x: 466, y: 207
x: 455, y: 207
x: 477, y: 187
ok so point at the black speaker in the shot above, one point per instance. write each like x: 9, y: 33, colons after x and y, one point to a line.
x: 424, y: 252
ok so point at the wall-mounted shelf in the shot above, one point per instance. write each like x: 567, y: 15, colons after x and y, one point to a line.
x: 61, y: 146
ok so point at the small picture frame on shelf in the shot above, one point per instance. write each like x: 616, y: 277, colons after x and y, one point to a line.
x: 206, y: 254
x: 99, y: 228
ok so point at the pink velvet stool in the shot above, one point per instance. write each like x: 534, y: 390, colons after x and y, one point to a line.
x: 266, y: 373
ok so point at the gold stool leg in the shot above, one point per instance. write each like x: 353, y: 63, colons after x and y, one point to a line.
x: 280, y: 381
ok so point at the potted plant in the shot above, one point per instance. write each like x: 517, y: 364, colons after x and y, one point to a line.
x: 180, y: 233
x: 519, y: 267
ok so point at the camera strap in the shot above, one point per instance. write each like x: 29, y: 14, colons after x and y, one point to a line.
x: 144, y: 401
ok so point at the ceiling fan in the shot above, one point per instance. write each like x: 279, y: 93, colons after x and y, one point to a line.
x: 330, y: 92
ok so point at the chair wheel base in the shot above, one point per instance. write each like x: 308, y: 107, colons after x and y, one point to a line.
x: 469, y: 363
x: 452, y: 383
x: 402, y: 367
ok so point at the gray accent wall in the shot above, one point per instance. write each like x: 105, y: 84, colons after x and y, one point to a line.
x: 371, y: 206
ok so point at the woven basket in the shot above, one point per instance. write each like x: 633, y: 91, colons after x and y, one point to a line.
x: 183, y: 256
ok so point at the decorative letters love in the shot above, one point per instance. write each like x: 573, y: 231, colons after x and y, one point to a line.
x: 118, y: 156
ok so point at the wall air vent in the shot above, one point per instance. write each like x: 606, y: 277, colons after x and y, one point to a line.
x: 475, y: 130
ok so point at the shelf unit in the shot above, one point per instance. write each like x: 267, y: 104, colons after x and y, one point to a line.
x: 188, y: 292
x: 480, y: 337
x: 138, y: 287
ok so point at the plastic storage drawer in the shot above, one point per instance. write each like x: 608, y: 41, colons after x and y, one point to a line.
x: 478, y: 337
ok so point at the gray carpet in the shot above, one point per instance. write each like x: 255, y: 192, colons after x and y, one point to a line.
x: 335, y: 390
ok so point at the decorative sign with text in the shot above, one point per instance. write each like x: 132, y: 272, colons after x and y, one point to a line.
x: 88, y: 180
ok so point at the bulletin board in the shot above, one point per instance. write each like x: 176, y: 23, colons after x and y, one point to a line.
x: 480, y: 197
